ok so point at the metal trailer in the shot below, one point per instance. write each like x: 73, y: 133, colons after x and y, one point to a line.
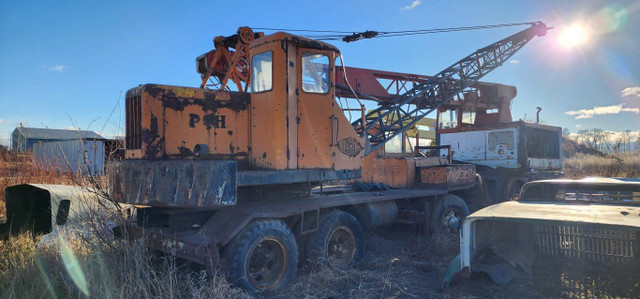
x: 243, y: 177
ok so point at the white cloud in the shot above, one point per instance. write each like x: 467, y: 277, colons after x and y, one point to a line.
x: 57, y: 68
x: 413, y: 5
x: 578, y: 125
x: 514, y: 61
x: 589, y: 113
x: 2, y: 121
x: 631, y: 91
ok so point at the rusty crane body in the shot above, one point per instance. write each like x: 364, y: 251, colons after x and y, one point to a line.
x: 251, y: 175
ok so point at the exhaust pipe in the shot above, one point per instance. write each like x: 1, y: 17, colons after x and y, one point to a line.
x: 538, y: 115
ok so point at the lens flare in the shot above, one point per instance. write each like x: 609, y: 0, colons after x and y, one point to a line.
x: 611, y: 18
x: 573, y: 36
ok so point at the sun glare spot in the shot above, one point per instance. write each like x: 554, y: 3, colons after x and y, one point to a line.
x: 573, y: 36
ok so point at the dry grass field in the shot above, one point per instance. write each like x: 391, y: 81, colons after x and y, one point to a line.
x: 71, y: 267
x: 618, y: 165
x: 400, y: 262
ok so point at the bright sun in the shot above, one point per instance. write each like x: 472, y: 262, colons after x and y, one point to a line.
x: 573, y: 36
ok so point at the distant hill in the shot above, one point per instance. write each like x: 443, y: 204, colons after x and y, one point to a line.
x: 570, y: 147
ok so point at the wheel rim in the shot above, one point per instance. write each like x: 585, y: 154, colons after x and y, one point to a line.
x: 267, y: 263
x: 341, y: 247
x: 450, y: 221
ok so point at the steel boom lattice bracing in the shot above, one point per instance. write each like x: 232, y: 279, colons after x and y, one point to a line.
x: 391, y: 119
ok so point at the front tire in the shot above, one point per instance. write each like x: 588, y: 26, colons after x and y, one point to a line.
x: 339, y: 241
x: 264, y: 256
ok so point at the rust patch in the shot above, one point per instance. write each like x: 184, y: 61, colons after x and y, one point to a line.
x: 433, y: 175
x: 213, y: 99
x: 150, y: 137
x: 155, y: 149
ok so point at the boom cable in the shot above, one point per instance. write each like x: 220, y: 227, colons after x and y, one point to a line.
x: 354, y: 36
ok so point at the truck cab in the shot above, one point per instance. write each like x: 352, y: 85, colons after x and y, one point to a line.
x: 480, y: 130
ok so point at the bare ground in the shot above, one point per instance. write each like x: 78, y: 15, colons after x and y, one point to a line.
x: 402, y: 263
x: 399, y: 263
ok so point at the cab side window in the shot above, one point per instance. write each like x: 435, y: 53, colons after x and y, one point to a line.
x: 261, y: 72
x: 315, y: 73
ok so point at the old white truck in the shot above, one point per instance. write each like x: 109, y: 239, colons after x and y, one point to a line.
x: 592, y: 221
x: 507, y: 153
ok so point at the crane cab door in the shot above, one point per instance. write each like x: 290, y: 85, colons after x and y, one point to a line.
x: 316, y: 125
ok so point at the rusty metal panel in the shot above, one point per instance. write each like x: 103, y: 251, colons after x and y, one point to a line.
x: 397, y: 172
x: 452, y: 176
x: 317, y: 128
x: 433, y: 175
x: 269, y: 177
x: 177, y: 183
x: 269, y: 112
x: 461, y: 175
x: 169, y: 121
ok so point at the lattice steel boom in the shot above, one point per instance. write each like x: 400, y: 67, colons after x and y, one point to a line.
x: 391, y: 119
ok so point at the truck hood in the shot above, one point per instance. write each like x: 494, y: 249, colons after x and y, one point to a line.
x: 619, y: 215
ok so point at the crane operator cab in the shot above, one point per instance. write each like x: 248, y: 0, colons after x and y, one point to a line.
x: 288, y: 119
x: 296, y: 122
x: 281, y: 126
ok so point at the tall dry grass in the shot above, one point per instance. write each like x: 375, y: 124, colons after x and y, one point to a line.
x: 85, y: 260
x: 70, y: 267
x: 618, y: 165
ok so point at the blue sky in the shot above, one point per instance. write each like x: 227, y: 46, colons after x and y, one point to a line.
x: 68, y: 63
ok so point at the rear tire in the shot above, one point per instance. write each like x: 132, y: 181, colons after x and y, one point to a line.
x: 339, y: 241
x: 264, y: 256
x: 448, y: 214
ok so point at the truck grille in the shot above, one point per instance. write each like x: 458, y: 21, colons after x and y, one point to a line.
x: 593, y: 243
x: 134, y: 122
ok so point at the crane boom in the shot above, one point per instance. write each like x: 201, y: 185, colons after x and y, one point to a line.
x: 395, y: 117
